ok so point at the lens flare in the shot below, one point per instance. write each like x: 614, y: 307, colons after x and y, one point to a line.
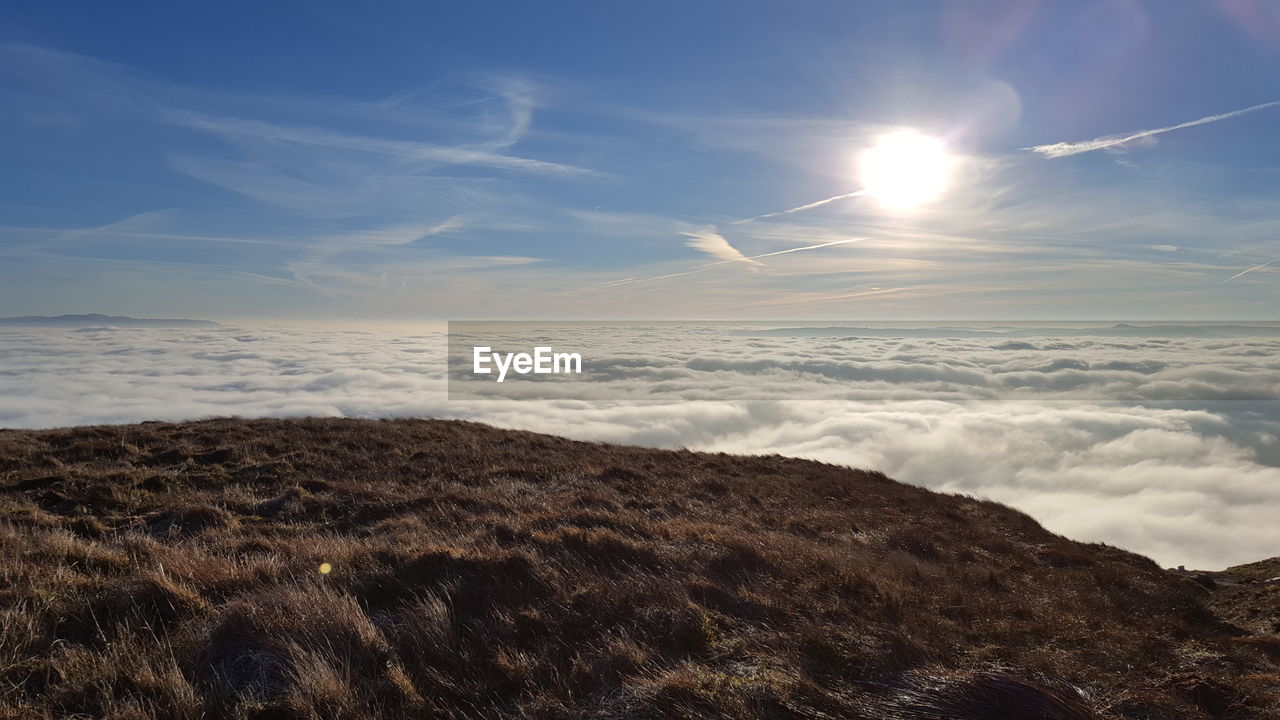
x: 905, y: 169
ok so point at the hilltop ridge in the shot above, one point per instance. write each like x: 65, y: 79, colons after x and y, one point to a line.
x: 423, y: 568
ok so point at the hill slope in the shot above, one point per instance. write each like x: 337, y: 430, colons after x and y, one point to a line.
x: 1249, y: 596
x: 412, y: 569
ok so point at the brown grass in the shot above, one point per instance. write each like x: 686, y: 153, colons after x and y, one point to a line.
x: 172, y: 571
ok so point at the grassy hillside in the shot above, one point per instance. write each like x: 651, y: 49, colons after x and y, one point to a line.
x: 419, y: 569
x: 1249, y: 596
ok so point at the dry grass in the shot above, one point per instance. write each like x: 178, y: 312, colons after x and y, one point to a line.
x: 1249, y: 596
x: 172, y: 571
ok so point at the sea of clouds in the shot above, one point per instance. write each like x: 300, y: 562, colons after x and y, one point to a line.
x: 1168, y: 446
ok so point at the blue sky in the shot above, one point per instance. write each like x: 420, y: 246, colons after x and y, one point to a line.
x: 421, y: 161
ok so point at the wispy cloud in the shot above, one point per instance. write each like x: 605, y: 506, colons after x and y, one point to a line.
x: 520, y: 96
x: 145, y: 236
x: 1064, y: 149
x: 269, y: 279
x: 316, y: 264
x: 714, y: 244
x: 753, y: 259
x: 404, y: 149
x: 129, y: 226
x: 400, y: 235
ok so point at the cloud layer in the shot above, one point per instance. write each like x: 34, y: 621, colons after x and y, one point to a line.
x: 680, y: 361
x: 1195, y: 482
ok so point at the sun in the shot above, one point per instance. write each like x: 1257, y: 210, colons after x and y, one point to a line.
x: 905, y: 169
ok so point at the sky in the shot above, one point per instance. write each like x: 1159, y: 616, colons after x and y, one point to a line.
x: 322, y: 162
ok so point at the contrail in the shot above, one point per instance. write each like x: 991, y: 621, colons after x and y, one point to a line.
x: 611, y: 283
x: 709, y: 266
x: 806, y: 247
x: 1057, y: 150
x: 1247, y: 271
x: 802, y: 208
x: 753, y: 258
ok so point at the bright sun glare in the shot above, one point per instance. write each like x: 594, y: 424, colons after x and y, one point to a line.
x: 904, y: 169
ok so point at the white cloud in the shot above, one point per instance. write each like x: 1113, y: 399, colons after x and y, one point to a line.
x: 714, y: 244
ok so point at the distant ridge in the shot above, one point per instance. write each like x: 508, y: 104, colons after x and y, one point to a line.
x: 1118, y: 330
x: 95, y: 320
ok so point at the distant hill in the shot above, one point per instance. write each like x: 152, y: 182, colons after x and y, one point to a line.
x: 354, y: 569
x: 1118, y: 330
x: 96, y: 320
